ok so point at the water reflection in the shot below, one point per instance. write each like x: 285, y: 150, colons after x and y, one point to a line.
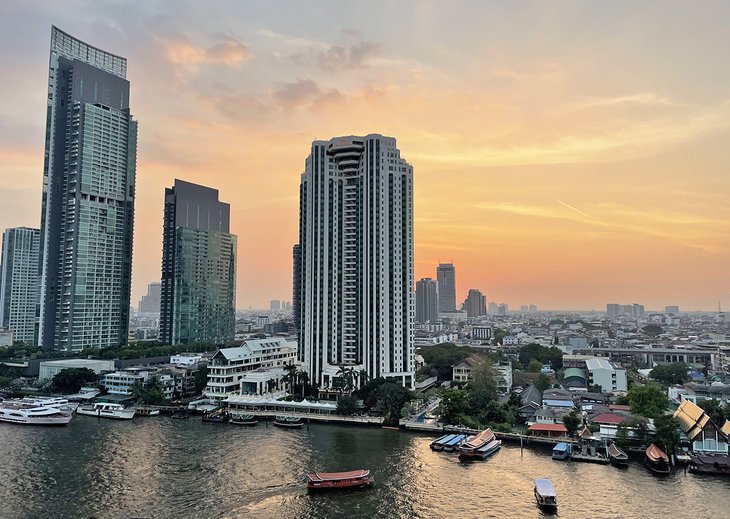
x: 157, y: 467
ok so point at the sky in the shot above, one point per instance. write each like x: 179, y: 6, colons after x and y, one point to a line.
x: 566, y: 154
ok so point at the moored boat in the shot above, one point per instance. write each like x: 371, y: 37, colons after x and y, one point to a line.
x: 438, y: 443
x: 470, y: 448
x: 288, y: 421
x: 545, y: 494
x: 561, y: 451
x: 107, y: 410
x: 657, y: 461
x: 489, y: 449
x: 60, y: 403
x: 29, y: 414
x: 617, y: 456
x: 454, y: 442
x: 718, y: 464
x: 148, y: 411
x: 333, y: 480
x: 217, y: 415
x: 242, y: 419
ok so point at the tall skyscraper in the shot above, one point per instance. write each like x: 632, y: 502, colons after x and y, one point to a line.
x: 427, y: 300
x: 19, y: 282
x: 296, y: 285
x: 87, y: 212
x: 149, y: 305
x: 356, y: 249
x: 475, y: 303
x: 612, y: 309
x: 198, y: 301
x: 446, y: 276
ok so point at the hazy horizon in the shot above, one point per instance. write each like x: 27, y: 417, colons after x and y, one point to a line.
x: 565, y: 154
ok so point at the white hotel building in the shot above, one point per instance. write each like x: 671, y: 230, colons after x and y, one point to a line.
x: 355, y: 286
x: 248, y: 368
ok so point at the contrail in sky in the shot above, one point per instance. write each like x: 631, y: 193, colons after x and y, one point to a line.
x: 574, y: 209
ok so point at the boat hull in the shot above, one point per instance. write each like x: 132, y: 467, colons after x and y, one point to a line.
x: 126, y: 414
x: 338, y: 485
x: 292, y: 425
x: 658, y: 468
x: 38, y: 420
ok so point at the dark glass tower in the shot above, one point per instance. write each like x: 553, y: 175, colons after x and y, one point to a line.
x: 198, y: 301
x: 87, y: 212
x: 446, y: 277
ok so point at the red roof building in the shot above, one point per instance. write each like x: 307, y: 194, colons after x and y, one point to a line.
x: 547, y: 429
x: 608, y: 419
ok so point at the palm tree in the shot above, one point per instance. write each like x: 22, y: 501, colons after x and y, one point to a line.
x: 290, y: 378
x: 303, y: 380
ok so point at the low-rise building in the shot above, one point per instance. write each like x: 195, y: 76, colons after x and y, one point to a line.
x: 186, y: 359
x: 231, y: 370
x: 706, y: 436
x: 502, y: 372
x: 50, y: 368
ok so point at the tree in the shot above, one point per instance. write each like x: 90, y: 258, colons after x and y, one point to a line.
x: 717, y: 413
x: 572, y: 421
x: 201, y: 379
x: 666, y: 434
x: 454, y: 405
x: 534, y: 366
x: 668, y: 374
x: 542, y: 382
x: 652, y: 330
x: 71, y: 380
x: 648, y: 400
x: 391, y: 399
x: 634, y: 428
x: 442, y: 357
x: 289, y: 377
x: 347, y: 405
x: 596, y: 388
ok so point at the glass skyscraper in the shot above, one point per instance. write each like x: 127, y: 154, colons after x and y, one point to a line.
x: 354, y: 295
x: 19, y: 282
x: 87, y: 212
x: 198, y: 301
x: 446, y: 277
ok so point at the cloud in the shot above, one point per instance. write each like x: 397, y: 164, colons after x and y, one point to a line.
x: 643, y: 98
x: 339, y: 57
x: 305, y: 93
x: 229, y: 52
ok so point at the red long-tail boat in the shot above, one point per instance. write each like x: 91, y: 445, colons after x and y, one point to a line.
x: 332, y: 480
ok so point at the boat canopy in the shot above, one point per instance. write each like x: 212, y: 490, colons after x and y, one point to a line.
x: 545, y: 487
x: 562, y: 446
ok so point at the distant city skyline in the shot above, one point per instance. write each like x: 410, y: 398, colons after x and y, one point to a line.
x: 551, y: 171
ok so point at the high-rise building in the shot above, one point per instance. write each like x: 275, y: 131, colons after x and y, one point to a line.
x: 87, y: 211
x: 475, y: 303
x: 637, y: 310
x: 356, y: 271
x: 19, y: 282
x: 492, y: 308
x: 296, y: 285
x: 275, y: 306
x: 533, y: 309
x: 524, y: 309
x: 198, y: 300
x: 446, y: 276
x: 149, y: 304
x: 612, y: 309
x: 427, y: 300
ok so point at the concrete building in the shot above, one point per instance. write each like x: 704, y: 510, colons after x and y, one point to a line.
x: 229, y: 366
x: 149, y: 304
x: 274, y: 306
x: 475, y: 303
x: 427, y: 300
x: 198, y: 301
x: 446, y: 276
x: 671, y: 310
x: 481, y: 332
x: 186, y: 359
x: 356, y: 295
x: 606, y: 374
x: 612, y: 310
x: 50, y: 368
x: 6, y: 337
x: 502, y: 373
x: 19, y: 283
x: 87, y: 212
x: 171, y: 382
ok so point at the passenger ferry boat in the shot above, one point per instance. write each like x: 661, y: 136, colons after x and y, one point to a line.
x: 545, y: 494
x: 470, y: 448
x: 657, y: 461
x: 288, y: 421
x: 62, y: 404
x: 242, y: 419
x: 25, y: 413
x: 107, y: 410
x: 333, y: 480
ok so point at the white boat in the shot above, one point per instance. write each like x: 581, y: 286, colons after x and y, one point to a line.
x: 62, y: 404
x: 107, y: 410
x: 29, y: 414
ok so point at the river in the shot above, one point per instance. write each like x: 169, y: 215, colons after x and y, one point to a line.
x: 159, y: 467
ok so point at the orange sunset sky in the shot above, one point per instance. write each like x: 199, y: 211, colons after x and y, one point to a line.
x: 566, y: 154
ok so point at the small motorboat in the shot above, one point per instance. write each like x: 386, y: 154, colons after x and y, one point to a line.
x: 545, y: 494
x: 242, y: 419
x: 334, y: 480
x: 561, y: 451
x: 657, y: 461
x: 107, y: 410
x: 438, y: 443
x: 288, y: 421
x: 216, y: 416
x: 489, y: 449
x: 147, y: 411
x: 617, y: 456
